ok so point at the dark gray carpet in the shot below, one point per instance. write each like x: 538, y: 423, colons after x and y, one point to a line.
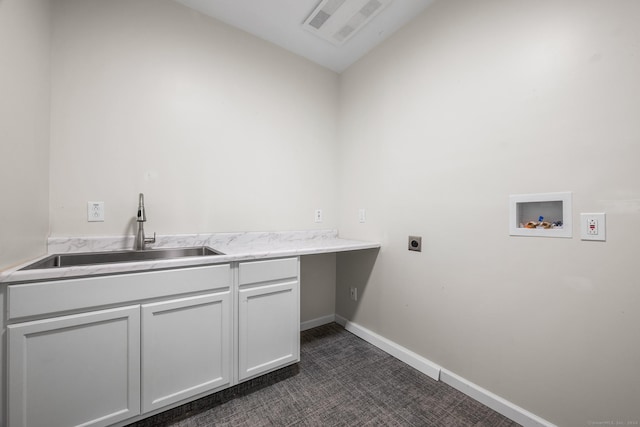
x: 341, y: 380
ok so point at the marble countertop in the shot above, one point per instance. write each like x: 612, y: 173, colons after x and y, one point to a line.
x: 234, y: 246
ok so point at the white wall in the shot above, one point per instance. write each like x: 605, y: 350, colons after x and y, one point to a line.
x: 471, y: 102
x: 25, y: 38
x: 25, y: 47
x: 220, y: 130
x: 317, y: 287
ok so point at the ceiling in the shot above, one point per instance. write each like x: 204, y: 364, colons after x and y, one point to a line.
x: 280, y: 22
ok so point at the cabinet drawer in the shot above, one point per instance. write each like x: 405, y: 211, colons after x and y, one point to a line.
x: 45, y: 298
x: 264, y: 271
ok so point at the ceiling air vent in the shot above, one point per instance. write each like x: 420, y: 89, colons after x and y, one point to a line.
x: 338, y: 20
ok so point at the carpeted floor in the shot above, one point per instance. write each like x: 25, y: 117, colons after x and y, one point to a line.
x: 341, y: 380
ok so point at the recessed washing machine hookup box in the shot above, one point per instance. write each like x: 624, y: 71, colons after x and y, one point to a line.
x: 540, y: 215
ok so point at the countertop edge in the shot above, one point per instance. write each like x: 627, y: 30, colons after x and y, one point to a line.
x: 233, y: 247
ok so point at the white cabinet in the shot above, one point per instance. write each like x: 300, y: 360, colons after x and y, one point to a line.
x: 74, y: 370
x: 268, y: 316
x: 104, y: 350
x: 85, y: 369
x: 186, y: 348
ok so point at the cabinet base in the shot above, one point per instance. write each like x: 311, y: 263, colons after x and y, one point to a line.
x: 204, y: 403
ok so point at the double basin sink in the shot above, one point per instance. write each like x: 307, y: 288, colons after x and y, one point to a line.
x: 93, y: 258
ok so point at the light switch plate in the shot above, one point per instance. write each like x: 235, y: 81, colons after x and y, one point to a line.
x: 362, y: 216
x: 593, y: 226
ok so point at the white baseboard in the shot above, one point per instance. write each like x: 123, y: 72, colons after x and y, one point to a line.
x: 314, y: 323
x: 434, y: 371
x: 407, y: 356
x: 493, y: 401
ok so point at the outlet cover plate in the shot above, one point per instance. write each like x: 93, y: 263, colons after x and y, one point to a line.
x: 593, y: 226
x: 95, y: 211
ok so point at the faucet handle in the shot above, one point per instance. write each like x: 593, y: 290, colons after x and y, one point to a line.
x: 150, y: 239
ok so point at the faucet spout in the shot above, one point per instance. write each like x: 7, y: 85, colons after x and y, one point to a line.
x: 142, y: 216
x: 141, y: 241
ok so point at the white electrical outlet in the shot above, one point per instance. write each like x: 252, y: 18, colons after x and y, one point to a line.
x: 362, y: 216
x: 95, y: 211
x: 593, y: 226
x: 353, y: 293
x: 318, y: 215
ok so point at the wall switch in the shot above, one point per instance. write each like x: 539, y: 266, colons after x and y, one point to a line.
x: 353, y: 294
x: 593, y: 226
x: 95, y: 211
x: 318, y: 215
x: 362, y: 216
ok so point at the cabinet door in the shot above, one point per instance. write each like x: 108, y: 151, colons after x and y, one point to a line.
x: 75, y: 370
x: 186, y: 348
x: 268, y: 328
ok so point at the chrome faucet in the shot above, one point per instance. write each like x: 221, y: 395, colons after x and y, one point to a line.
x: 141, y: 241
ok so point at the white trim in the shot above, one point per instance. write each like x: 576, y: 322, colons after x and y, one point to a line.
x: 564, y: 197
x: 493, y: 401
x: 404, y: 354
x: 319, y: 321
